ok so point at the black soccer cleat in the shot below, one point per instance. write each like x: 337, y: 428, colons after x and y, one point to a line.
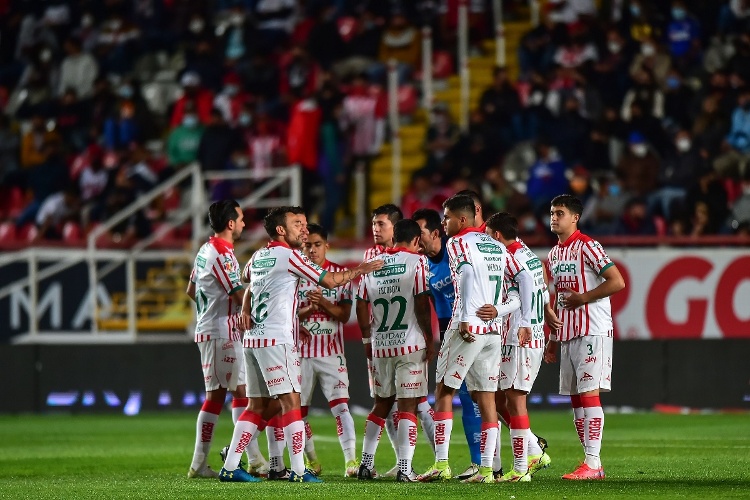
x: 364, y: 474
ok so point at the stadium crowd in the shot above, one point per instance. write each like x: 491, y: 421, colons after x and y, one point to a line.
x: 639, y: 108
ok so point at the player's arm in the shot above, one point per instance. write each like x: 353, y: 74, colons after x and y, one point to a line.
x: 363, y: 320
x: 613, y: 283
x: 340, y: 311
x: 305, y: 312
x: 332, y: 279
x: 423, y: 312
x: 512, y: 303
x: 191, y: 290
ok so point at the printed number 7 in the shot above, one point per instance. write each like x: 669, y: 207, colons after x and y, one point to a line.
x: 498, y: 286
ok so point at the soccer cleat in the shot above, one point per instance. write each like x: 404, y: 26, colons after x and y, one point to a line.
x: 515, y: 477
x: 223, y: 454
x: 538, y: 462
x: 238, y: 475
x: 279, y: 475
x: 584, y: 472
x: 204, y: 473
x: 542, y: 443
x: 352, y: 467
x: 392, y: 472
x: 365, y: 474
x: 497, y: 474
x: 307, y: 477
x: 440, y: 471
x: 470, y: 471
x: 258, y: 469
x: 483, y: 475
x: 313, y: 466
x: 406, y: 478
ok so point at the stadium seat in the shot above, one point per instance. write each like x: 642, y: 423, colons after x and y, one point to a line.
x: 16, y: 202
x: 442, y: 66
x: 7, y: 232
x: 27, y: 233
x: 72, y: 233
x: 347, y: 27
x: 407, y: 100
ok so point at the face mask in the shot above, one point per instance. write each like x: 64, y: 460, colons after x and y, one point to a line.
x: 87, y: 21
x: 678, y: 13
x: 196, y: 25
x: 126, y: 92
x: 190, y: 121
x: 245, y: 119
x: 45, y: 55
x: 639, y: 150
x: 614, y: 189
x: 648, y: 50
x: 673, y: 82
x: 614, y: 47
x: 231, y: 89
x: 241, y: 161
x: 635, y: 10
x: 115, y: 24
x: 683, y: 144
x: 237, y: 19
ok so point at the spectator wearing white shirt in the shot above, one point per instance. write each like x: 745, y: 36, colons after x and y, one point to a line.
x: 57, y: 209
x: 78, y: 70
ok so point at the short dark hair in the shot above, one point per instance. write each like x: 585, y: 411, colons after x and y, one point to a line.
x: 460, y: 203
x: 471, y: 194
x: 568, y: 201
x: 389, y: 209
x: 277, y: 217
x: 405, y: 230
x: 313, y: 228
x: 220, y: 213
x: 505, y: 223
x: 431, y: 218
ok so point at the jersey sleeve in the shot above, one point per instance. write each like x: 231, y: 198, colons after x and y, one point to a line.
x: 458, y: 253
x: 595, y: 257
x: 420, y: 277
x: 362, y: 290
x: 302, y: 267
x: 512, y: 267
x: 347, y: 293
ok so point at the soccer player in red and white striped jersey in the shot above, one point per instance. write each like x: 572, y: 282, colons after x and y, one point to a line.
x: 583, y: 277
x: 216, y: 289
x: 271, y: 359
x: 323, y: 313
x: 398, y: 339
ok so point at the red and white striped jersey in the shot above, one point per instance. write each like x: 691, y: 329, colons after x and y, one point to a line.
x: 488, y: 264
x: 262, y: 149
x: 529, y: 261
x: 373, y: 252
x: 363, y: 109
x: 577, y: 264
x: 391, y: 291
x: 216, y: 274
x: 327, y: 333
x: 274, y: 273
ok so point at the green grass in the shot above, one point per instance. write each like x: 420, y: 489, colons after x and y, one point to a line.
x: 106, y: 456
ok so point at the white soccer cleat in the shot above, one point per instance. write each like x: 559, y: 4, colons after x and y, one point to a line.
x: 258, y: 469
x: 203, y: 473
x: 391, y: 473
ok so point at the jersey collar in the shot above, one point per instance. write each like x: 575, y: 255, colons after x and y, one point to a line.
x: 468, y: 230
x: 397, y: 249
x: 573, y: 237
x: 514, y: 246
x: 222, y: 245
x: 283, y: 244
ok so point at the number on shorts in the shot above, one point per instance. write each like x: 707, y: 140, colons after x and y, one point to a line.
x: 498, y: 287
x: 591, y: 349
x: 201, y: 302
x: 537, y: 303
x: 341, y: 360
x: 507, y: 350
x: 397, y: 323
x: 259, y: 307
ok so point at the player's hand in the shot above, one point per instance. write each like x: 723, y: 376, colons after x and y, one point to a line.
x: 368, y: 351
x: 304, y: 335
x: 368, y: 267
x: 550, y: 352
x: 466, y: 335
x: 487, y: 312
x: 571, y: 300
x: 429, y: 352
x: 244, y: 321
x: 524, y: 335
x: 553, y: 322
x: 315, y: 296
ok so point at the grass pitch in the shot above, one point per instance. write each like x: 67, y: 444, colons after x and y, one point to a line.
x: 147, y: 456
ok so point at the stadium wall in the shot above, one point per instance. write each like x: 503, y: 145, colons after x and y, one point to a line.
x: 135, y: 378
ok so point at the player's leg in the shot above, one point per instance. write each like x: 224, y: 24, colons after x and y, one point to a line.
x: 257, y: 464
x: 472, y: 422
x: 385, y: 396
x: 500, y: 402
x: 211, y: 354
x: 569, y: 387
x: 309, y: 370
x: 519, y: 427
x: 276, y: 445
x: 411, y: 386
x: 334, y: 380
x: 426, y: 415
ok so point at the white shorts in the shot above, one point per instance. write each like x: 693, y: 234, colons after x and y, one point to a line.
x: 403, y: 376
x: 586, y: 365
x: 478, y: 362
x: 272, y: 371
x: 333, y: 376
x: 222, y: 363
x: 519, y: 367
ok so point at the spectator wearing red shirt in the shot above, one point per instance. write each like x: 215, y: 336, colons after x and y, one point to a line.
x: 201, y: 98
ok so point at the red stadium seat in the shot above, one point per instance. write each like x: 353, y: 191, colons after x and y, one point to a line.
x: 15, y: 203
x: 27, y: 233
x: 347, y: 27
x: 442, y: 65
x: 72, y: 233
x: 407, y: 100
x: 7, y: 232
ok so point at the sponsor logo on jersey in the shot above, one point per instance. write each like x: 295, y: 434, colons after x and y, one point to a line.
x: 415, y: 372
x: 533, y: 264
x: 564, y: 267
x: 275, y: 381
x: 264, y: 263
x: 229, y: 359
x: 503, y: 376
x: 492, y: 378
x: 342, y: 369
x: 411, y: 385
x: 586, y: 377
x: 274, y: 368
x: 390, y: 270
x: 227, y: 345
x: 591, y: 359
x: 489, y: 248
x: 200, y: 262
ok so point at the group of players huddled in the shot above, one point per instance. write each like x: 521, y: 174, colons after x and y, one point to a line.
x: 270, y: 343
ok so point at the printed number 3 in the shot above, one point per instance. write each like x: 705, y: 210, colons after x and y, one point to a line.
x: 591, y: 349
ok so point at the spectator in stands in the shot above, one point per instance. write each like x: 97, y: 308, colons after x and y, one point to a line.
x: 676, y: 176
x: 572, y: 132
x: 710, y: 127
x: 733, y: 162
x: 604, y: 208
x: 635, y: 220
x: 43, y: 179
x: 402, y: 42
x: 200, y: 99
x: 93, y: 182
x: 500, y: 194
x: 706, y: 204
x: 117, y: 44
x: 217, y: 142
x: 260, y: 77
x: 325, y: 42
x: 440, y: 140
x: 676, y: 94
x: 302, y: 142
x: 577, y: 52
x: 184, y: 140
x: 364, y: 111
x: 644, y: 22
x: 275, y: 20
x: 72, y: 118
x: 596, y: 150
x: 422, y: 193
x: 684, y: 34
x: 129, y: 120
x: 536, y: 116
x: 646, y: 93
x: 537, y: 48
x: 734, y: 17
x: 266, y: 144
x: 740, y: 215
x: 610, y: 73
x: 78, y: 69
x: 501, y: 107
x: 232, y: 99
x: 653, y: 60
x: 546, y: 178
x: 300, y: 75
x: 649, y: 126
x: 331, y: 167
x: 238, y: 36
x: 362, y: 50
x: 57, y: 209
x: 9, y: 151
x: 203, y: 62
x: 35, y: 144
x: 639, y: 168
